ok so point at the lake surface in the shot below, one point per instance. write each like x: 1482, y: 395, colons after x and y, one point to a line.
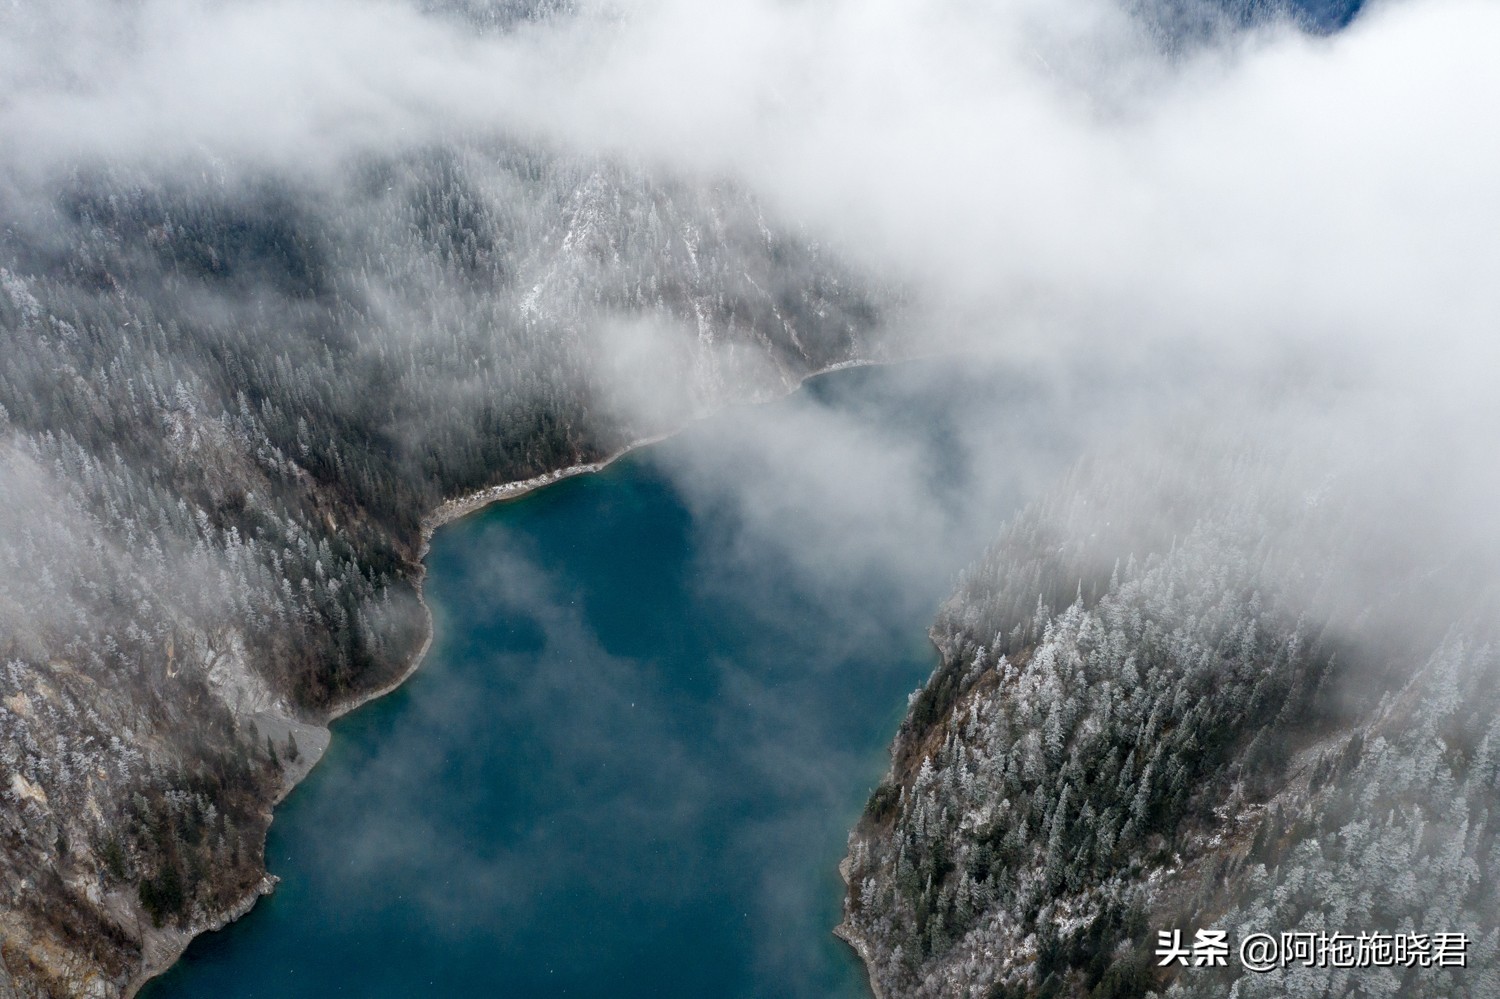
x: 656, y: 701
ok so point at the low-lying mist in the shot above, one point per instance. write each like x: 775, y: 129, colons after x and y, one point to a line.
x: 279, y: 276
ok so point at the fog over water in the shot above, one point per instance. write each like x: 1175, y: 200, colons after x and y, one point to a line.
x: 652, y: 712
x: 659, y: 696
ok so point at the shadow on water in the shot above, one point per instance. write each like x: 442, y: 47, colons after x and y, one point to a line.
x: 656, y: 701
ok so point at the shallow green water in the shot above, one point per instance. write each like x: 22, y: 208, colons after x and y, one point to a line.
x: 657, y: 699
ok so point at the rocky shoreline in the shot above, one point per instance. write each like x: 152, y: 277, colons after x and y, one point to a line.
x: 846, y: 932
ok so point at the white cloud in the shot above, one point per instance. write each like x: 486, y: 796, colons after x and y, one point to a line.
x: 1040, y: 178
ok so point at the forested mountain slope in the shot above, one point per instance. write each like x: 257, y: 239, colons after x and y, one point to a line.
x: 1188, y: 693
x: 227, y: 403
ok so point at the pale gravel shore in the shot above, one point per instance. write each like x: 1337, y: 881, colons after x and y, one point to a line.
x: 456, y: 509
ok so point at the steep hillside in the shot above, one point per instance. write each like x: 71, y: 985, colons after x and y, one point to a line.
x: 1169, y: 699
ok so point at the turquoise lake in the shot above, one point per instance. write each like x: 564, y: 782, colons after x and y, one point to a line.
x: 656, y: 701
